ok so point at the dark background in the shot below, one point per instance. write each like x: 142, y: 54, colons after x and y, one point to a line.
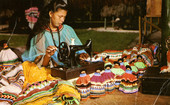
x: 78, y: 16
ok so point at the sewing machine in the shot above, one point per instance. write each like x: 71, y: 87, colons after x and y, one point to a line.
x: 67, y: 53
x: 71, y: 69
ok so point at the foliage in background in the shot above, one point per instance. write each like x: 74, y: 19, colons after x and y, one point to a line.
x: 100, y: 40
x: 16, y: 40
x: 106, y: 40
x: 80, y: 10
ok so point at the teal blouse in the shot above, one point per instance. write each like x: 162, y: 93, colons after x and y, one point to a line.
x: 40, y: 42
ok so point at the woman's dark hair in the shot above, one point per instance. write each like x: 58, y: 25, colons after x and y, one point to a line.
x: 44, y: 18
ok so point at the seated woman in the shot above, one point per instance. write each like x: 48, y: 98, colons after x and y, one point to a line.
x: 42, y: 54
x: 42, y: 48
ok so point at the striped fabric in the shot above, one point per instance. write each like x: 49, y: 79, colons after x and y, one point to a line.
x: 128, y: 83
x: 97, y: 88
x: 43, y: 92
x: 97, y: 91
x: 7, y: 58
x: 11, y: 84
x: 83, y: 86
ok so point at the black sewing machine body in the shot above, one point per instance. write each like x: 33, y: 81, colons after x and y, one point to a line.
x: 68, y: 56
x: 67, y: 53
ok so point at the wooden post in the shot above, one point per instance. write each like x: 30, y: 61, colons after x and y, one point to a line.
x: 153, y: 25
x: 165, y: 30
x: 140, y: 31
x: 150, y: 25
x: 113, y: 21
x: 145, y: 26
x: 158, y: 20
x: 105, y: 23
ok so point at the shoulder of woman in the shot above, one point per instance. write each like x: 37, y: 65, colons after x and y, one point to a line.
x: 38, y: 36
x: 67, y: 26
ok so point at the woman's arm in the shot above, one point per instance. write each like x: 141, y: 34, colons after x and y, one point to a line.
x: 49, y: 52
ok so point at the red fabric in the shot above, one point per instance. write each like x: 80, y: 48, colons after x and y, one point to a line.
x: 83, y: 80
x: 129, y: 77
x: 164, y: 67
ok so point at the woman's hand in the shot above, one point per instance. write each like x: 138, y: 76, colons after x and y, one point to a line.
x: 50, y: 50
x: 82, y: 58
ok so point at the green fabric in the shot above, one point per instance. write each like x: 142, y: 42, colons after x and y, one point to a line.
x: 126, y: 63
x: 10, y: 61
x: 140, y: 65
x: 134, y: 69
x: 117, y: 71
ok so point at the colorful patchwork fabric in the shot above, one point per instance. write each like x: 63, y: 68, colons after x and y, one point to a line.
x: 113, y: 54
x: 10, y: 98
x: 128, y: 83
x: 7, y: 59
x: 131, y: 54
x: 97, y: 88
x: 83, y: 86
x: 126, y: 88
x: 43, y: 92
x: 84, y: 92
x: 11, y: 84
x: 36, y: 90
x: 147, y: 55
x: 109, y: 87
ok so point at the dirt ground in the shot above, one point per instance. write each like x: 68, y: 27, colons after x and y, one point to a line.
x: 119, y: 98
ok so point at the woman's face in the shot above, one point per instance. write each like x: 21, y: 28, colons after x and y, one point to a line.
x: 57, y: 18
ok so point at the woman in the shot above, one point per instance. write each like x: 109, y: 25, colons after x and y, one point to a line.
x: 48, y: 33
x: 42, y: 53
x: 43, y: 43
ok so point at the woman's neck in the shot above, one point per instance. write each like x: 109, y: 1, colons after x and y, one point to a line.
x: 54, y: 29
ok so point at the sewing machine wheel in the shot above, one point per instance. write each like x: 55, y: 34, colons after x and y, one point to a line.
x: 64, y: 51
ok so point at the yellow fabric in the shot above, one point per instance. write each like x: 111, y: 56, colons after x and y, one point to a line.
x: 33, y: 73
x: 44, y: 101
x: 69, y: 91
